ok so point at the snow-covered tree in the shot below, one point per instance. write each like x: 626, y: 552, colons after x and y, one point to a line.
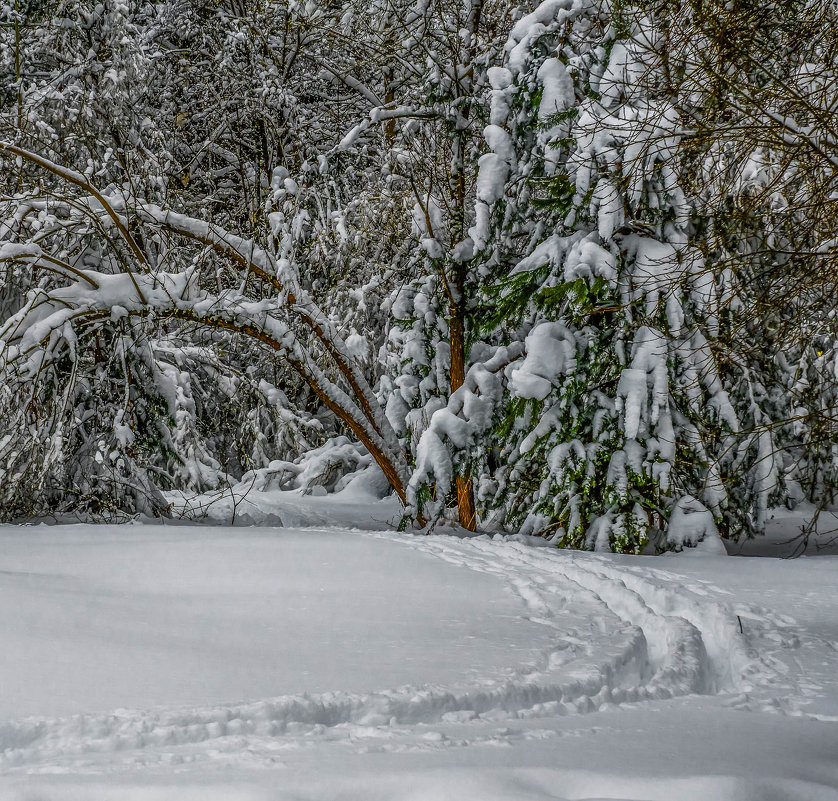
x: 615, y: 413
x: 759, y: 95
x: 434, y: 326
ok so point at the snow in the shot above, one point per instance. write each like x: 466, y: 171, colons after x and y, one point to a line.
x: 494, y: 167
x: 551, y: 353
x: 557, y: 93
x: 527, y: 30
x: 150, y: 662
x: 577, y: 255
x: 692, y: 524
x: 458, y: 424
x: 491, y: 177
x: 110, y: 617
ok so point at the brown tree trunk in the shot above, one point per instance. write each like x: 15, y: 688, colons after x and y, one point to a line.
x: 457, y: 297
x: 465, y: 503
x: 466, y: 511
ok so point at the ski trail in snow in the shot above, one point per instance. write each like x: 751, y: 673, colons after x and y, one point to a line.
x: 676, y: 658
x: 695, y: 640
x: 622, y: 634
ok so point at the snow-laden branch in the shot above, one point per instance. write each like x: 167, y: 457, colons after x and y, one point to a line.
x: 78, y: 179
x: 11, y: 251
x: 30, y: 336
x: 32, y: 329
x: 383, y: 114
x: 250, y: 256
x: 467, y: 416
x: 353, y: 83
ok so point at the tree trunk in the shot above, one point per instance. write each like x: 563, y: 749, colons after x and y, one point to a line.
x: 465, y: 489
x: 466, y: 511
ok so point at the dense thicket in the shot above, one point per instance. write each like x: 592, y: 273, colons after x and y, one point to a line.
x: 567, y: 267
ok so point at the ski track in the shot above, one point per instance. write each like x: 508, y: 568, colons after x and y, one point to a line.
x: 624, y: 634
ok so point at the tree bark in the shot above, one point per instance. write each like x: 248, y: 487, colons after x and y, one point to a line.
x: 466, y: 511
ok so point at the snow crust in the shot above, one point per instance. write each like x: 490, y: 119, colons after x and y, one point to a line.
x: 531, y: 673
x: 143, y: 616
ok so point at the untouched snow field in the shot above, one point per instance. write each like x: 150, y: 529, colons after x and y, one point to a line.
x: 259, y: 664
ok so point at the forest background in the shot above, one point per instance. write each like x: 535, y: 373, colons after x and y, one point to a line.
x: 566, y: 268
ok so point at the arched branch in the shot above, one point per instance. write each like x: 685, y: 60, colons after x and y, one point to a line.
x: 251, y: 257
x: 326, y: 392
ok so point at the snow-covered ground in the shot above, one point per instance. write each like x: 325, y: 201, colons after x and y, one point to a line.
x: 257, y: 664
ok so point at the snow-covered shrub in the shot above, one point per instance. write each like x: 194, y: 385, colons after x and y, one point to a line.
x: 95, y: 418
x: 326, y: 469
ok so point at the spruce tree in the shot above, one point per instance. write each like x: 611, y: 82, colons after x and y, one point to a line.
x: 614, y: 414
